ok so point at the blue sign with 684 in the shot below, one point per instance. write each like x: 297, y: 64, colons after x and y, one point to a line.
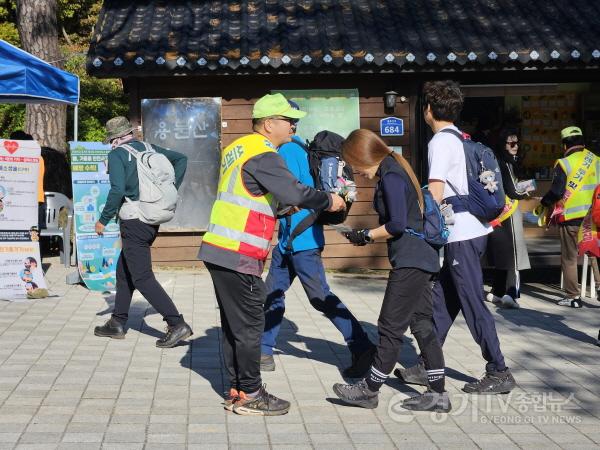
x: 391, y: 126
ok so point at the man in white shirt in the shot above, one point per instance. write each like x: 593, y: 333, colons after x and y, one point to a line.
x: 460, y: 283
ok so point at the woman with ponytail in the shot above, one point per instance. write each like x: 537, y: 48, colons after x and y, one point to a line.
x: 398, y: 201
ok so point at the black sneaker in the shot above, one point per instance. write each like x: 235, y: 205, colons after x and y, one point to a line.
x: 492, y: 383
x: 174, y: 335
x: 429, y: 401
x: 361, y: 362
x: 267, y: 363
x: 413, y: 375
x: 263, y: 404
x: 357, y: 394
x: 598, y: 341
x: 112, y: 329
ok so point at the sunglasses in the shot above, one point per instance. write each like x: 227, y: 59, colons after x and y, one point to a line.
x: 512, y: 144
x: 289, y: 120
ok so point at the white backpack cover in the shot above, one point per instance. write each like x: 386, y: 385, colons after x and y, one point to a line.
x: 158, y: 194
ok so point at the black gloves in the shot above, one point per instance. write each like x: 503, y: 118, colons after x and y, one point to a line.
x: 358, y: 237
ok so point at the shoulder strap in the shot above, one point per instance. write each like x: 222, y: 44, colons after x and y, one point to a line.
x: 131, y: 151
x: 302, y: 226
x: 458, y: 134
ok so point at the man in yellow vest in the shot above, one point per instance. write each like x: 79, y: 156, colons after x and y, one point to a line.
x: 254, y: 188
x: 574, y: 181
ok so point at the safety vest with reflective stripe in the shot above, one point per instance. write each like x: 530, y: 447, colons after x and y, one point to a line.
x: 583, y: 172
x: 240, y: 221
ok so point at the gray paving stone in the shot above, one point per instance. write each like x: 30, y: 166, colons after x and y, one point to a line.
x: 129, y: 394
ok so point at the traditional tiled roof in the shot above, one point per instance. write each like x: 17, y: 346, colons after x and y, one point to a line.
x: 160, y: 37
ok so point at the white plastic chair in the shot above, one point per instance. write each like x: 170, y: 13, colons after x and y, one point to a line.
x: 55, y: 201
x: 584, y: 278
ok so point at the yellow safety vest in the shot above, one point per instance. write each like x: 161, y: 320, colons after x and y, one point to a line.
x: 240, y: 221
x: 583, y: 172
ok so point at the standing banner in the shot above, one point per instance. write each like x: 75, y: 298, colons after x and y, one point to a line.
x: 96, y: 255
x: 335, y: 110
x: 20, y: 262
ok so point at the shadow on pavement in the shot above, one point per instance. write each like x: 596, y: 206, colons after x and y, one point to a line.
x: 552, y: 323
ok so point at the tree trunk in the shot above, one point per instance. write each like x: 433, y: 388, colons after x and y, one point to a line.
x: 38, y: 30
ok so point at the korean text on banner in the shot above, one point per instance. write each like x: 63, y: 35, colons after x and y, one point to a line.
x: 97, y: 256
x: 20, y: 262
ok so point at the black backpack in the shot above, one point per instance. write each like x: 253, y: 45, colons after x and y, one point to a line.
x: 326, y: 167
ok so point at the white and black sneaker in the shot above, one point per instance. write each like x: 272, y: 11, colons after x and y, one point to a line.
x: 572, y: 302
x: 493, y: 299
x: 508, y: 302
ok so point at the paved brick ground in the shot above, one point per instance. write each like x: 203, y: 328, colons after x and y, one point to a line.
x: 62, y: 387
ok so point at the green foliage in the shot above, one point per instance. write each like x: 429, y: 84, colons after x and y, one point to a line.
x: 8, y: 27
x: 12, y: 117
x: 100, y: 99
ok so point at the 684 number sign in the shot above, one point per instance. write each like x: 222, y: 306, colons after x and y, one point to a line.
x: 391, y: 126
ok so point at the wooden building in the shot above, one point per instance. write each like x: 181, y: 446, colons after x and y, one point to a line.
x: 522, y: 54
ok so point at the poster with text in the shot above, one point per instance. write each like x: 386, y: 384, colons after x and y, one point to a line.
x: 20, y: 262
x: 97, y: 256
x: 335, y: 110
x: 191, y: 126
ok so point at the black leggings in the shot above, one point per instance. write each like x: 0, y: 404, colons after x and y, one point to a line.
x: 407, y: 302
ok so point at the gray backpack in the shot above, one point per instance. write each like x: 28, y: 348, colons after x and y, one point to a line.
x: 158, y: 194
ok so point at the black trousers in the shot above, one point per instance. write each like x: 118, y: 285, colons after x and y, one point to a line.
x: 506, y: 282
x: 407, y: 301
x: 459, y: 288
x: 134, y: 271
x: 241, y: 298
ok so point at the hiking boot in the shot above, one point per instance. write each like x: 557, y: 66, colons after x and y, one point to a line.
x: 231, y: 399
x: 492, y: 383
x: 572, y: 302
x: 429, y: 401
x: 508, y: 302
x: 493, y: 299
x: 267, y: 363
x: 361, y: 362
x: 112, y: 329
x: 174, y: 335
x: 263, y: 404
x: 357, y: 394
x: 413, y: 375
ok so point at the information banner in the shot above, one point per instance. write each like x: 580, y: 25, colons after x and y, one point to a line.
x: 20, y: 262
x: 191, y: 126
x: 97, y: 256
x: 335, y: 110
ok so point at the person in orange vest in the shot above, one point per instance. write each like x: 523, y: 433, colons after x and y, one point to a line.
x: 255, y: 187
x: 574, y: 180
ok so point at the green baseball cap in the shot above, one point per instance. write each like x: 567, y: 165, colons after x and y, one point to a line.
x: 570, y: 131
x: 275, y: 105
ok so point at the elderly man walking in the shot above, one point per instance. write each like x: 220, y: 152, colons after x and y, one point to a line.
x: 134, y: 268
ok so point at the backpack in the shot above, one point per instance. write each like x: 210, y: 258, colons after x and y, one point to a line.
x: 330, y: 173
x: 486, y: 197
x: 435, y: 231
x: 156, y: 177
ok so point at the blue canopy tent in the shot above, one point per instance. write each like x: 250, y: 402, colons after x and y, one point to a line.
x: 25, y: 78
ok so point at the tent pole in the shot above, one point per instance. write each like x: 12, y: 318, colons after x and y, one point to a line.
x: 76, y: 124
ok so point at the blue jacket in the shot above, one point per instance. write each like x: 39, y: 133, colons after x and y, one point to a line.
x: 296, y: 160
